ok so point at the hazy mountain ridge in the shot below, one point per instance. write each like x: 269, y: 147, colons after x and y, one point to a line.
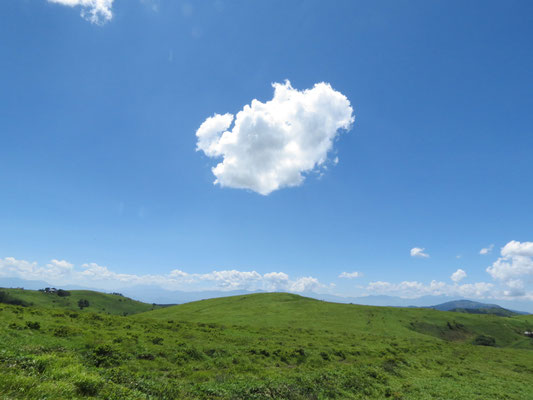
x: 475, y: 307
x: 158, y: 295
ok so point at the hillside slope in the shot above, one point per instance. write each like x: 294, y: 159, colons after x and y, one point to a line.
x: 98, y: 302
x: 264, y: 346
x: 284, y: 310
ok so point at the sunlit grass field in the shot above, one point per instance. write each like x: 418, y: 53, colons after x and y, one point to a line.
x: 99, y: 302
x: 260, y: 346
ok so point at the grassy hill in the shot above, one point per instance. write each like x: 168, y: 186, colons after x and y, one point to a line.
x: 279, y: 310
x: 98, y: 302
x: 264, y: 346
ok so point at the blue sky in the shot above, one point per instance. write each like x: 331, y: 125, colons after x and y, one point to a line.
x: 100, y: 171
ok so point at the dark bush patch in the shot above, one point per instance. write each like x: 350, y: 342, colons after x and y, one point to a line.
x: 390, y: 365
x: 105, y: 356
x: 146, y: 356
x: 484, y: 340
x: 33, y: 325
x: 157, y: 340
x: 62, y: 331
x: 194, y: 354
x: 300, y: 352
x: 6, y: 298
x: 340, y: 354
x: 82, y: 303
x: 88, y: 386
x: 264, y: 352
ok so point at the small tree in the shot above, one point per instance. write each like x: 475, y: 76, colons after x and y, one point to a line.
x: 82, y: 303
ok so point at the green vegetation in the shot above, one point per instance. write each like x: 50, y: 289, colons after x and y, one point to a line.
x: 502, y: 312
x: 70, y: 300
x: 82, y: 303
x: 261, y: 346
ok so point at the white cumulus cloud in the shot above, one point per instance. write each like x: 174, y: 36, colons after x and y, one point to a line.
x: 418, y: 252
x: 458, y: 275
x: 414, y: 289
x: 305, y: 284
x: 95, y: 11
x: 486, y: 250
x: 61, y: 272
x: 516, y: 261
x: 350, y: 275
x: 273, y: 145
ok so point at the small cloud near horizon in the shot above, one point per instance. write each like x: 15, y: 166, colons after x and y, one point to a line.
x: 350, y: 275
x: 486, y: 250
x: 418, y: 252
x: 61, y: 272
x: 458, y: 275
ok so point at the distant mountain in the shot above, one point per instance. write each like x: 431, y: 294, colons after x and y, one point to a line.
x: 36, y: 285
x: 22, y: 283
x: 155, y: 294
x: 467, y: 304
x: 380, y: 300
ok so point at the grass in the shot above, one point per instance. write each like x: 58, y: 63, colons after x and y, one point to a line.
x: 263, y: 346
x: 502, y: 312
x: 98, y: 302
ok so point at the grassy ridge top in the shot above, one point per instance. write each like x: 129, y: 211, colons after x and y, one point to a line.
x: 282, y: 310
x: 98, y: 302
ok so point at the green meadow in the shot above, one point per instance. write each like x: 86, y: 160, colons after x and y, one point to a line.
x: 259, y: 346
x: 98, y: 302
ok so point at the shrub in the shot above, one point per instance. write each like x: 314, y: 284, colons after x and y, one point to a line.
x: 484, y: 340
x: 88, y: 386
x: 6, y: 298
x: 33, y: 325
x: 82, y: 303
x: 194, y: 354
x: 340, y: 354
x: 63, y: 293
x: 157, y: 340
x: 62, y: 331
x: 390, y: 365
x: 105, y: 356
